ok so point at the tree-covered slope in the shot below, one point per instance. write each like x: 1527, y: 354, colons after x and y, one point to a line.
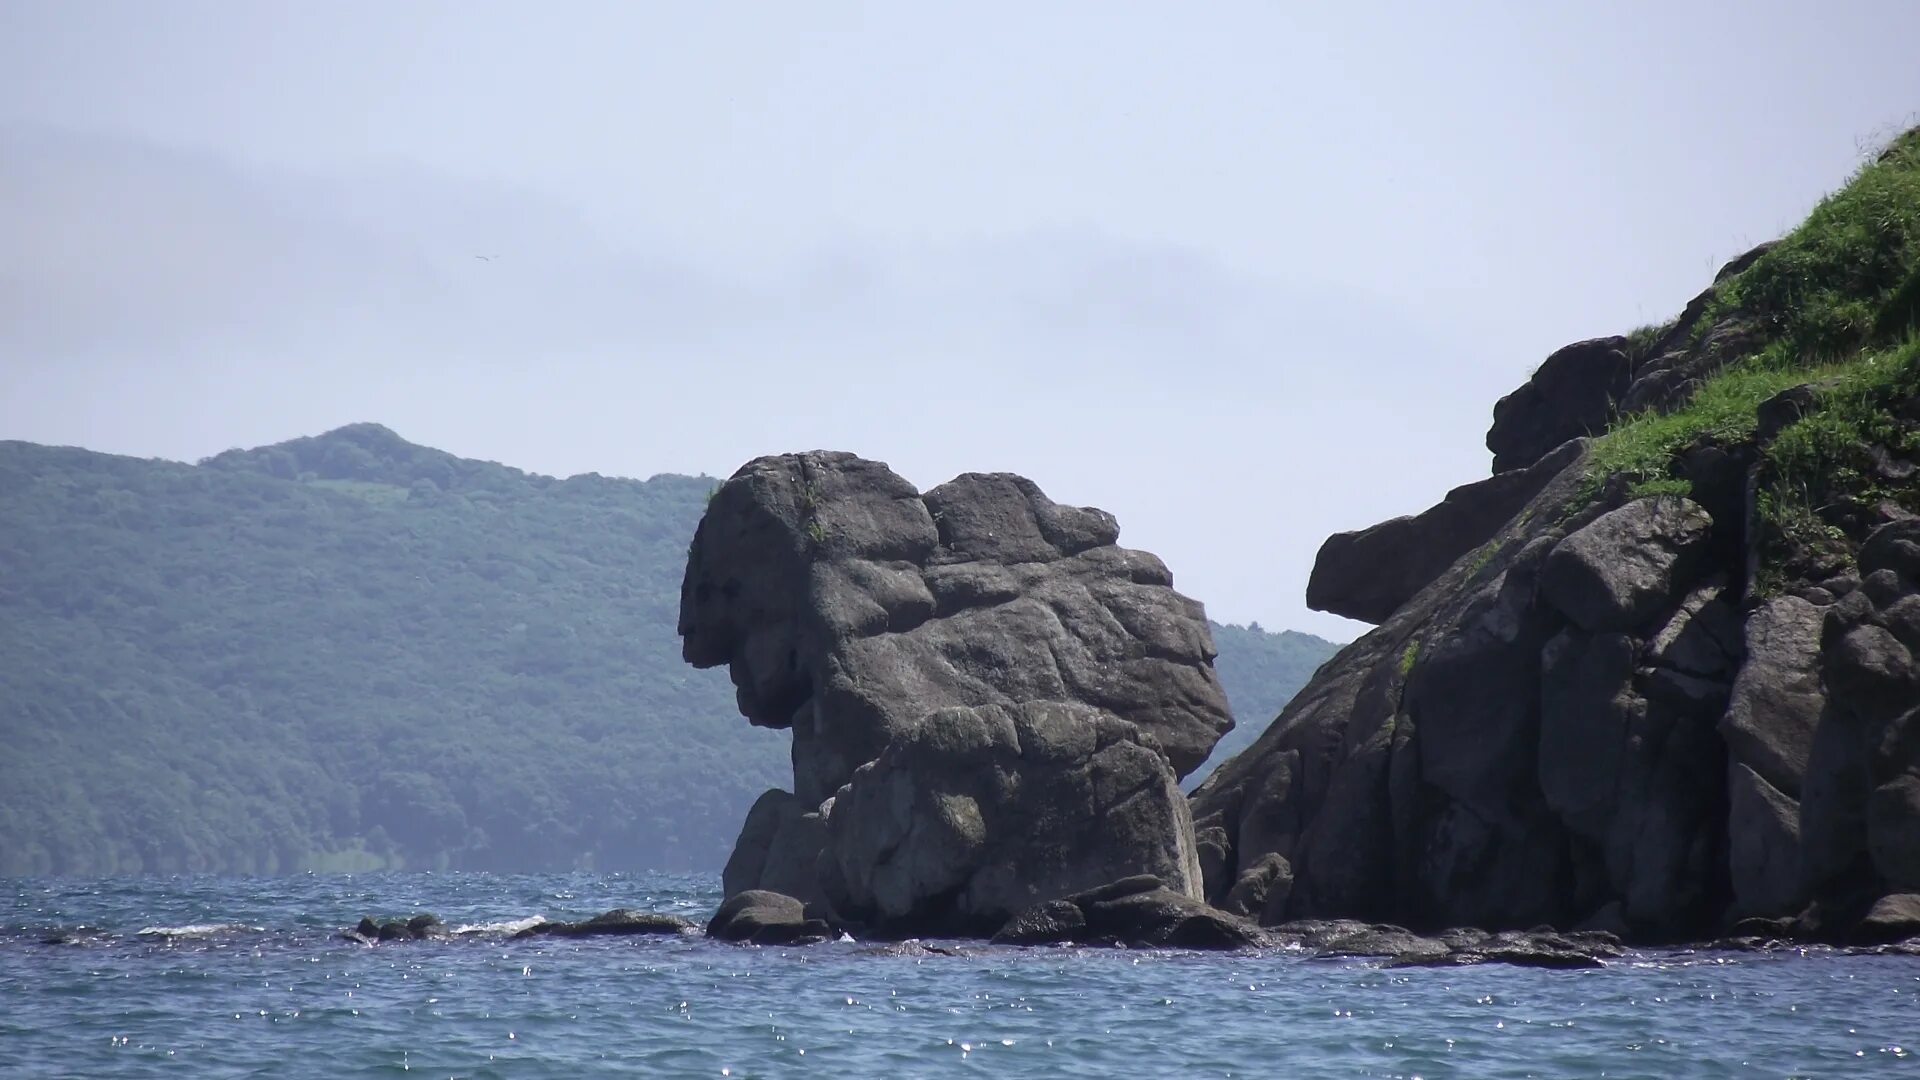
x: 350, y: 651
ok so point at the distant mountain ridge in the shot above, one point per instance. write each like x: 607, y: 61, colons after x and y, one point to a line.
x: 349, y: 651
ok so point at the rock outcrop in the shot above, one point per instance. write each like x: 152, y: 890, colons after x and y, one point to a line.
x: 1369, y: 573
x: 1574, y: 393
x: 991, y: 701
x: 1662, y: 693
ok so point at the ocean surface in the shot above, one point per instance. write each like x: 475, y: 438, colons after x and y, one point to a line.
x: 229, y: 977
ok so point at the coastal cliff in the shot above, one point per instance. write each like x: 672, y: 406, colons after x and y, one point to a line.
x: 1657, y: 675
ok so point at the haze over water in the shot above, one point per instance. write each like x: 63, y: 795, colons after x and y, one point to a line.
x: 211, y: 977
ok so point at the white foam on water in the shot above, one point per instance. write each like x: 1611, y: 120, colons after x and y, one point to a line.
x: 199, y: 930
x: 509, y: 926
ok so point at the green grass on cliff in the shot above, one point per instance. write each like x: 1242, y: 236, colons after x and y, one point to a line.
x: 1830, y: 302
x: 1823, y: 292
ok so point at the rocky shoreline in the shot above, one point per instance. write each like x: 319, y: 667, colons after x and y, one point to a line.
x: 1656, y: 680
x: 1140, y: 913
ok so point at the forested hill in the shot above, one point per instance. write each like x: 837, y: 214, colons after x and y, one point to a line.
x: 348, y: 651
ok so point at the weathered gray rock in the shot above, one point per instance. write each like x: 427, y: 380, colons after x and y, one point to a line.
x: 1457, y: 947
x: 1763, y: 845
x: 1777, y: 697
x: 1704, y: 637
x: 1869, y: 805
x: 1367, y: 574
x: 1267, y: 883
x: 778, y: 849
x: 1138, y: 911
x: 1399, y: 784
x: 1892, y: 918
x: 1632, y: 768
x: 972, y: 815
x: 759, y: 917
x: 1573, y: 393
x: 1893, y: 830
x: 848, y: 606
x: 1628, y: 564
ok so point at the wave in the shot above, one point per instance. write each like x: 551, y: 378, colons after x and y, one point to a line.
x: 199, y: 930
x: 507, y: 926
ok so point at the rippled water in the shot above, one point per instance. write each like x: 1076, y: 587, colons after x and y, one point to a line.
x: 210, y: 977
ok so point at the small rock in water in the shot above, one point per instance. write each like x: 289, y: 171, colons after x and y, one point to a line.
x: 1138, y: 910
x: 417, y: 928
x: 618, y: 922
x: 759, y: 917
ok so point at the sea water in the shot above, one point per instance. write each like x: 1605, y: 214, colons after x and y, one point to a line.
x: 226, y: 977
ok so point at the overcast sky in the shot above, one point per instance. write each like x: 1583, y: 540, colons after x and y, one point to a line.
x: 1242, y: 273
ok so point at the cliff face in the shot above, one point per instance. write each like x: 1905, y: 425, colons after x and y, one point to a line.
x: 1658, y: 673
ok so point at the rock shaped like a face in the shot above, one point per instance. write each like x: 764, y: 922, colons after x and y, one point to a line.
x: 1572, y: 394
x: 847, y: 605
x: 972, y: 815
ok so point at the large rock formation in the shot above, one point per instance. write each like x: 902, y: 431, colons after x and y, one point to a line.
x: 1590, y: 705
x: 991, y: 702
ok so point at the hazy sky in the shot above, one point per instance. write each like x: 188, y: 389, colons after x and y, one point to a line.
x: 1242, y: 273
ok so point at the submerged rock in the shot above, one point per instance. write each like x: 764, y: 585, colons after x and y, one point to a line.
x: 417, y: 928
x: 1137, y: 911
x: 618, y: 922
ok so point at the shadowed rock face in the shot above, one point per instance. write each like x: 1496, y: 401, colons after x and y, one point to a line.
x: 852, y: 609
x: 972, y: 815
x: 1530, y: 739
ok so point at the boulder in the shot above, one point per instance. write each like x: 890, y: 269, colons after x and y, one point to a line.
x: 619, y: 922
x: 778, y: 849
x: 972, y: 815
x: 1763, y: 846
x: 1893, y: 830
x: 1628, y: 564
x: 1777, y: 697
x: 1573, y: 393
x: 1135, y: 911
x: 416, y: 928
x: 848, y: 607
x: 759, y: 917
x: 1892, y: 918
x: 1266, y: 884
x: 1369, y: 573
